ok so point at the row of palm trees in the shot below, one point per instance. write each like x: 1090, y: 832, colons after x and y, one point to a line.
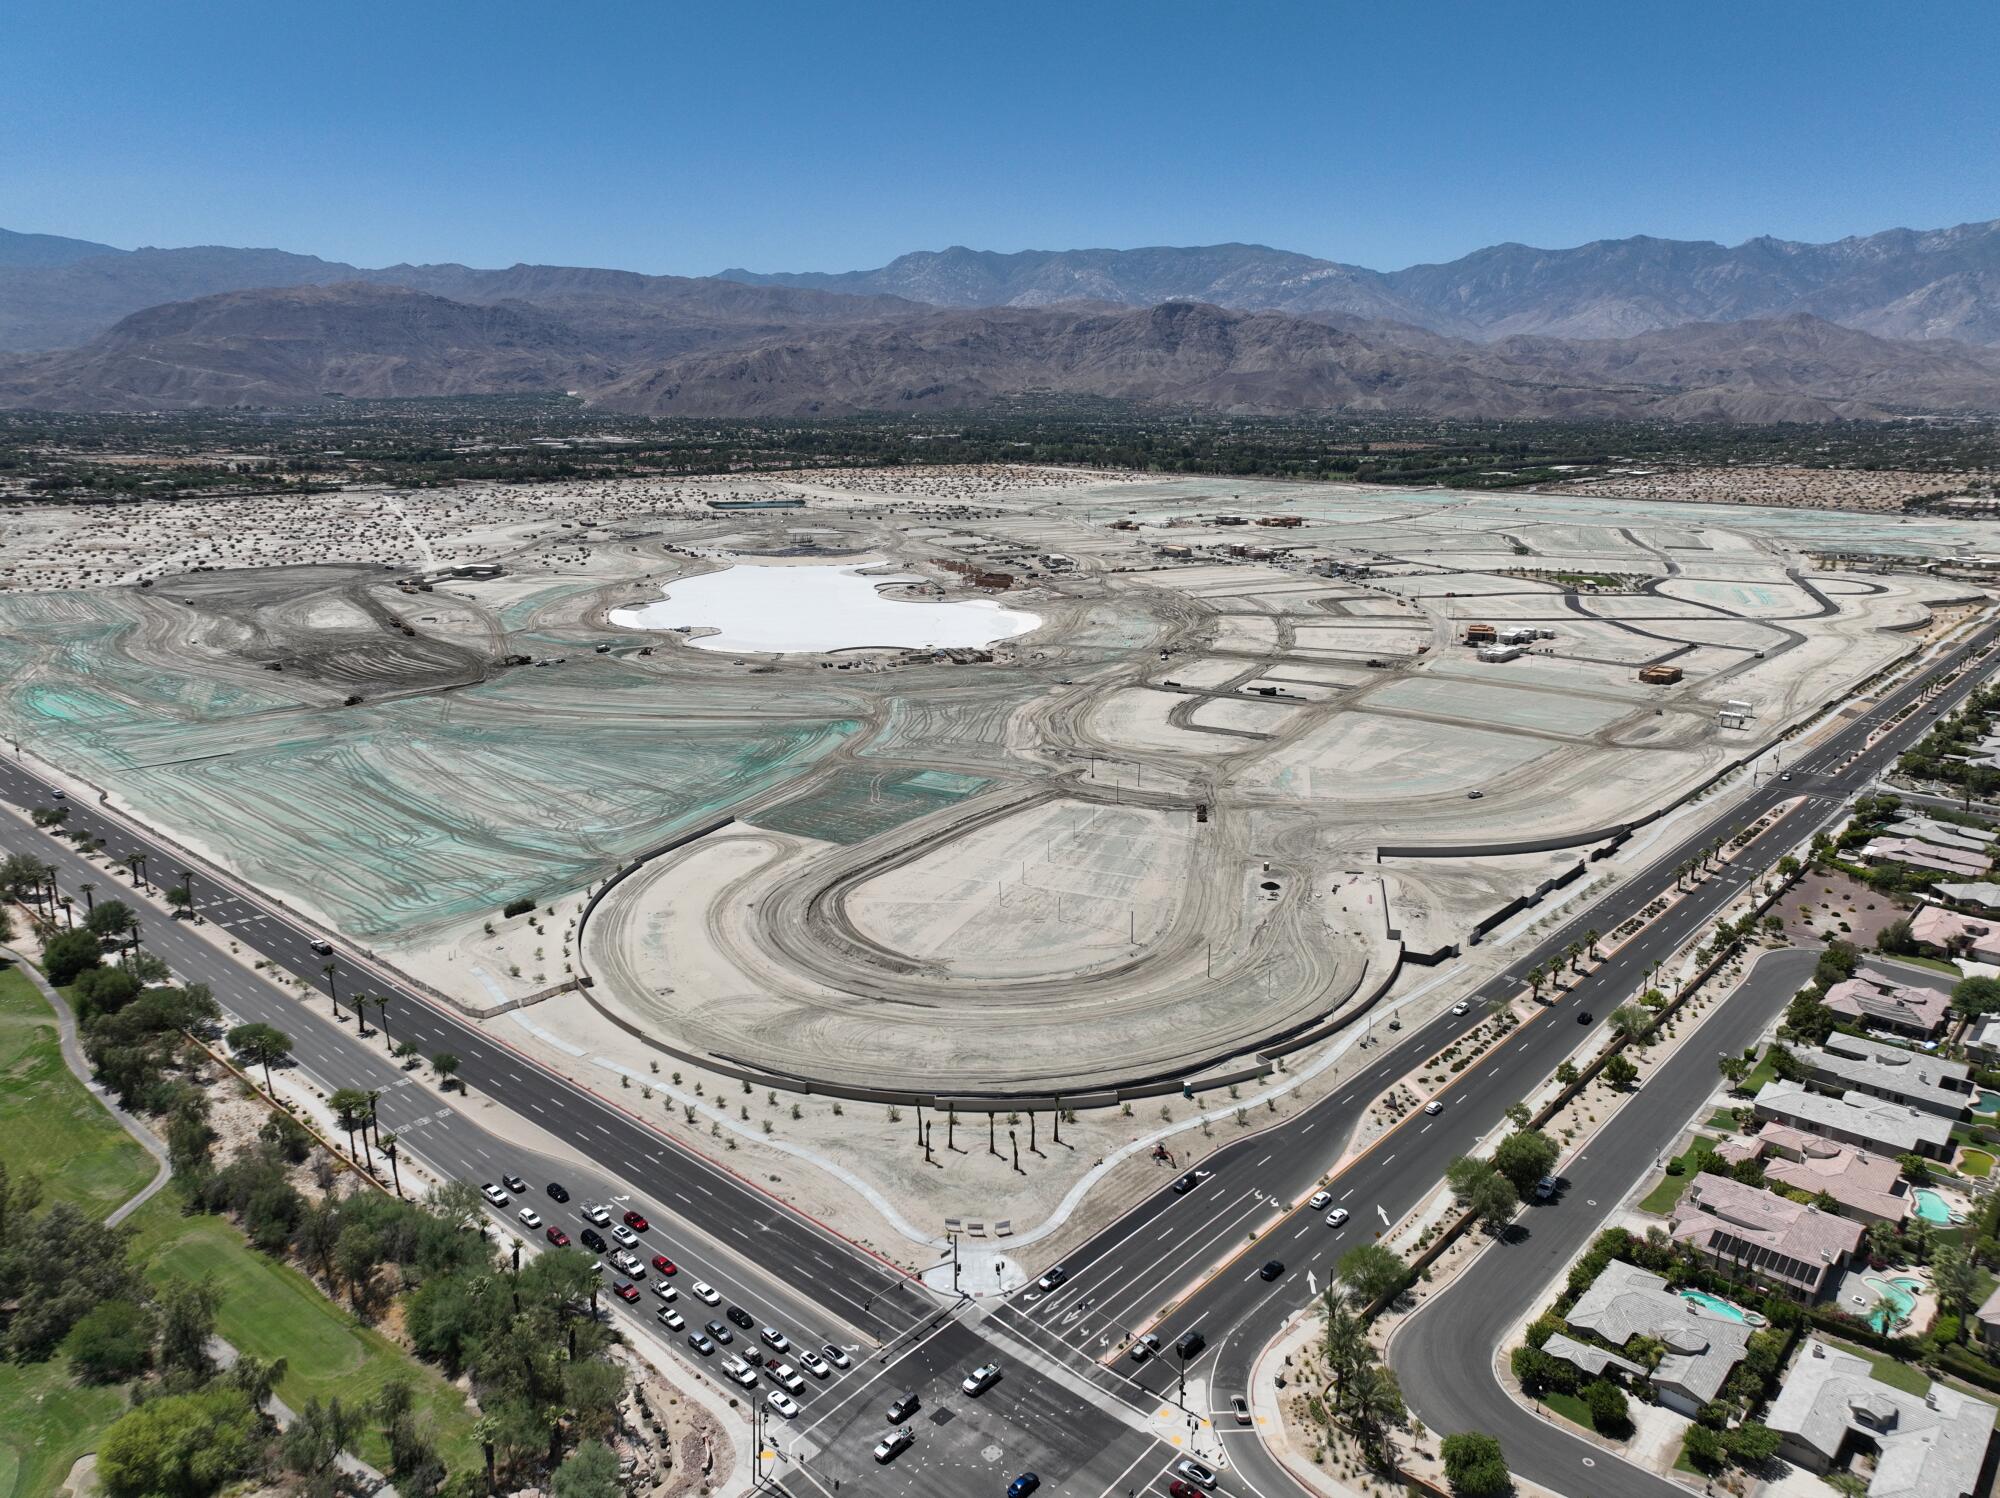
x: 1572, y: 959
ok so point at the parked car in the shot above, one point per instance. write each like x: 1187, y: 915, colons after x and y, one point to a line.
x: 1546, y: 1188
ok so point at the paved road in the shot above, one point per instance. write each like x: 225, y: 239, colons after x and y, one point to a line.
x: 1443, y: 1353
x: 1064, y: 1414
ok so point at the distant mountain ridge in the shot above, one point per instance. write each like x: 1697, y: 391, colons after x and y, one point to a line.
x: 299, y: 345
x: 1902, y: 283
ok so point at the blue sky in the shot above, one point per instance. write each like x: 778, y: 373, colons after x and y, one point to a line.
x: 685, y: 138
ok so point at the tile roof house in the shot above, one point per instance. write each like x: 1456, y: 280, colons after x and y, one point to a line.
x: 1959, y: 935
x: 1866, y: 1186
x: 1855, y: 1118
x: 1943, y: 834
x: 1626, y: 1301
x: 1903, y: 1008
x: 1771, y: 1236
x: 1925, y: 856
x: 1924, y: 1445
x: 1983, y: 893
x: 1982, y: 1038
x: 1854, y: 1064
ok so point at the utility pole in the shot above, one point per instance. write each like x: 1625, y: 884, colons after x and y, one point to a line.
x: 1014, y: 1140
x: 992, y: 1120
x: 954, y: 1263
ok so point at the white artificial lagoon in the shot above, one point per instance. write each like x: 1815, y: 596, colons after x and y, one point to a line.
x: 772, y: 609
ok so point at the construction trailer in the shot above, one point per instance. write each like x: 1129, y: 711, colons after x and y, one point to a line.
x: 1659, y: 676
x: 1499, y: 652
x: 1481, y: 634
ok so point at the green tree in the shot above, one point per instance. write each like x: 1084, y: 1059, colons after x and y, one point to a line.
x: 446, y: 1066
x: 1371, y: 1272
x: 591, y: 1471
x: 1620, y: 1071
x: 1973, y: 997
x: 1475, y: 1466
x: 187, y: 1323
x: 179, y: 1445
x: 1704, y: 1449
x: 112, y: 1343
x: 1734, y: 1069
x: 262, y: 1045
x: 1956, y: 1279
x: 1632, y: 1022
x: 1481, y: 1190
x: 1751, y: 1444
x: 349, y: 1106
x: 110, y: 919
x: 317, y: 1436
x: 66, y: 957
x: 1609, y: 1412
x: 1524, y: 1157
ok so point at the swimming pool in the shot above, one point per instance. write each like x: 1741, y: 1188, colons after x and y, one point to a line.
x: 1715, y: 1305
x: 1988, y: 1102
x: 1896, y: 1298
x: 1932, y: 1207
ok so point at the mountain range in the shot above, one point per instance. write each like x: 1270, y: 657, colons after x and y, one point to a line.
x: 1895, y: 323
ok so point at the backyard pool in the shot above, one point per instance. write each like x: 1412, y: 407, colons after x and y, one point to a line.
x: 1988, y: 1102
x: 1933, y: 1207
x: 1895, y: 1299
x: 1715, y: 1305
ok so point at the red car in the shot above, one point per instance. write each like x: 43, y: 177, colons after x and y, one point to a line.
x: 1180, y: 1489
x: 665, y: 1265
x: 636, y: 1223
x: 626, y: 1291
x: 557, y: 1236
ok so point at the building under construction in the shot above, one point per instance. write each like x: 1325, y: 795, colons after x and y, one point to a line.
x: 1659, y: 676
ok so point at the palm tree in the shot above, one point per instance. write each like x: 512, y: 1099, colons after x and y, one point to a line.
x: 136, y: 861
x: 382, y: 1016
x: 1536, y: 977
x: 350, y: 1109
x: 332, y: 991
x: 374, y: 1096
x: 444, y: 1064
x: 1590, y: 943
x: 1573, y: 951
x: 262, y: 1045
x: 89, y: 904
x: 388, y: 1143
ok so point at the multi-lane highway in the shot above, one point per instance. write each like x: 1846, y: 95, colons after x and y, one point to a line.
x: 1066, y: 1406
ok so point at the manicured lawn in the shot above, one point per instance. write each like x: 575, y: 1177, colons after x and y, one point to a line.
x: 1662, y: 1198
x: 1724, y: 1120
x: 1896, y: 1375
x: 1933, y: 962
x: 1976, y: 1163
x: 50, y: 1124
x: 271, y: 1310
x: 46, y: 1423
x: 1763, y: 1072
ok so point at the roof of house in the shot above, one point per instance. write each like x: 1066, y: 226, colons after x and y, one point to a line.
x: 1935, y: 926
x: 1976, y: 892
x: 1592, y: 1360
x: 1853, y: 1177
x: 1926, y: 855
x: 1625, y: 1301
x: 1929, y: 1446
x: 1984, y: 1032
x: 1812, y: 1237
x: 1944, y: 834
x: 1867, y: 996
x: 1892, y: 1070
x: 1989, y: 1309
x: 1897, y: 1126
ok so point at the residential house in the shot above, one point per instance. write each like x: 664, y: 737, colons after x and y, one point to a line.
x: 1832, y: 1408
x: 1983, y: 893
x: 1988, y: 1317
x: 1956, y: 935
x: 1855, y: 1118
x: 1853, y: 1064
x: 1922, y: 855
x: 1863, y: 1185
x: 1900, y: 1008
x: 1982, y: 1039
x: 1626, y: 1301
x: 1778, y: 1240
x: 1943, y: 834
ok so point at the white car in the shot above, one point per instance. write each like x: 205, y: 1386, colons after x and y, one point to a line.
x: 665, y: 1291
x: 893, y: 1443
x: 786, y: 1376
x: 775, y: 1339
x: 1336, y: 1217
x: 671, y: 1319
x: 597, y: 1214
x: 980, y: 1379
x: 495, y: 1195
x: 740, y: 1371
x: 783, y: 1403
x: 1461, y: 1008
x: 1319, y: 1199
x: 835, y: 1355
x: 630, y: 1264
x: 706, y: 1293
x: 1434, y: 1107
x: 530, y: 1218
x: 813, y: 1363
x: 625, y: 1235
